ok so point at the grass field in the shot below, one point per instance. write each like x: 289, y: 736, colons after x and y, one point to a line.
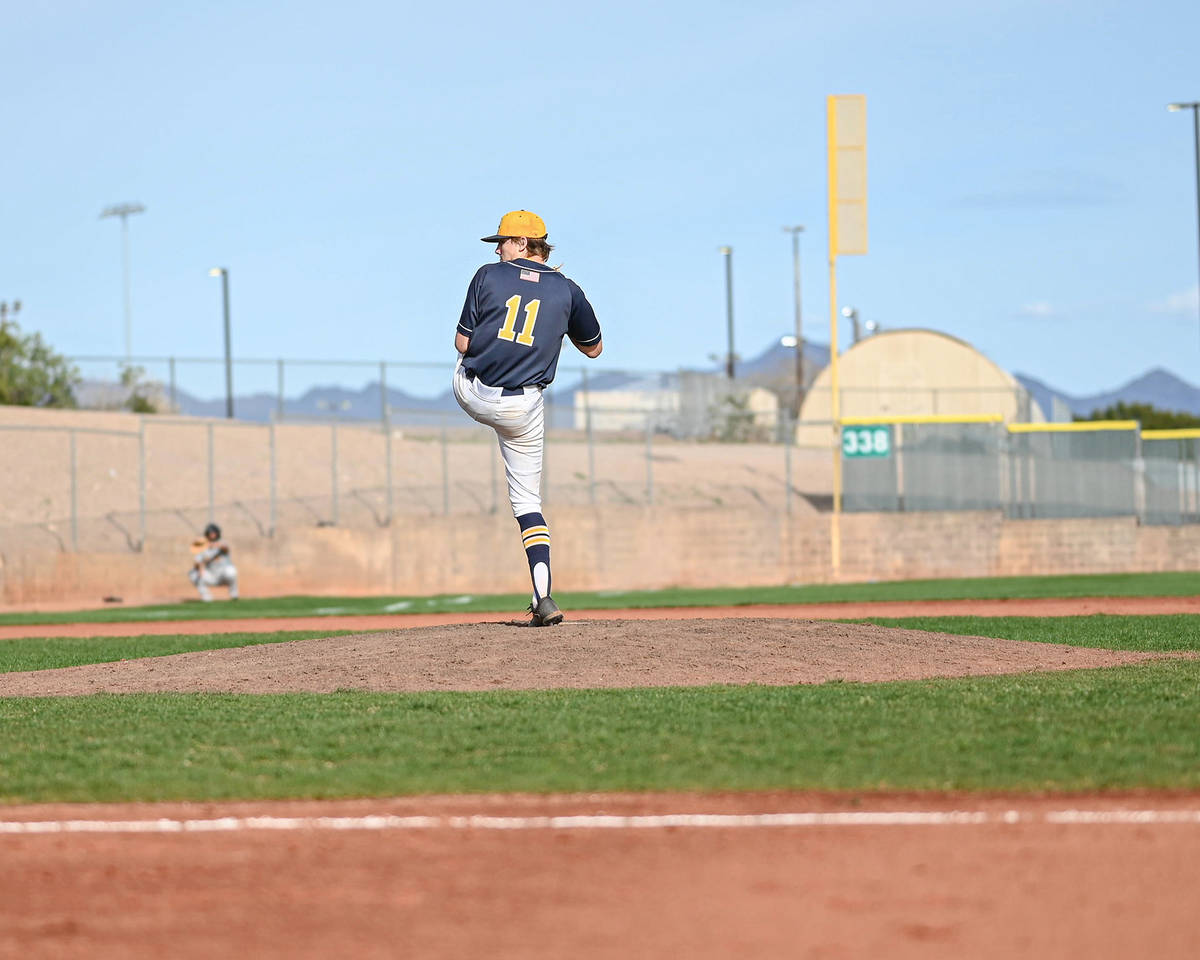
x: 45, y: 653
x: 1091, y: 585
x: 1102, y: 729
x: 1122, y: 728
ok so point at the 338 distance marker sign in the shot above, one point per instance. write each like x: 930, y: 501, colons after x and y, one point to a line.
x: 873, y: 441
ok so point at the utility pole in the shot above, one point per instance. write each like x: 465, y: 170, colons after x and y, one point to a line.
x: 727, y: 252
x: 223, y: 273
x: 1194, y: 106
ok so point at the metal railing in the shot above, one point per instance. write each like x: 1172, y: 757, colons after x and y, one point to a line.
x: 685, y: 403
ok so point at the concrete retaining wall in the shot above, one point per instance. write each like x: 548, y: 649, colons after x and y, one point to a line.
x: 613, y: 548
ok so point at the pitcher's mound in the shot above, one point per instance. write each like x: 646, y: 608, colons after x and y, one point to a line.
x: 596, y: 653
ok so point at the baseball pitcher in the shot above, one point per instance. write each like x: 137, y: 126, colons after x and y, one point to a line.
x: 211, y: 565
x: 509, y: 338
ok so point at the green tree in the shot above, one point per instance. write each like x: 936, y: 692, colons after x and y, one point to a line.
x: 1150, y: 416
x: 31, y: 374
x: 140, y: 392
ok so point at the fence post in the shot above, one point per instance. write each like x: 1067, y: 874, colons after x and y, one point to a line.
x: 387, y: 433
x: 592, y: 463
x: 271, y: 433
x: 279, y: 401
x: 383, y: 396
x: 212, y: 482
x: 333, y: 467
x: 492, y: 463
x: 591, y: 444
x: 1139, y: 475
x: 74, y: 499
x: 174, y: 399
x: 445, y: 471
x: 649, y: 461
x: 788, y: 436
x: 142, y: 482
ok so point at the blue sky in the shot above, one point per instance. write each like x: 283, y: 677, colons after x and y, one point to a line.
x: 1029, y: 191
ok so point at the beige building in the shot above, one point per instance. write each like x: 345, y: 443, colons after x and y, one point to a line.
x: 913, y: 373
x: 686, y: 404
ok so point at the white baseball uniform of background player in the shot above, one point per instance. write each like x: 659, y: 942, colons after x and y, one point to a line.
x: 212, y: 566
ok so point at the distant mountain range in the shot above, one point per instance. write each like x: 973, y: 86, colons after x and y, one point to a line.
x: 772, y: 367
x: 1158, y: 387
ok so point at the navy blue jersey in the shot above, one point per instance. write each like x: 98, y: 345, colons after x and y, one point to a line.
x: 516, y: 315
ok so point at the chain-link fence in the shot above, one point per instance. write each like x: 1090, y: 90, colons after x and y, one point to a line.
x: 1172, y: 476
x: 1028, y: 470
x: 927, y: 463
x: 88, y: 489
x: 686, y: 404
x: 83, y: 488
x: 1090, y: 469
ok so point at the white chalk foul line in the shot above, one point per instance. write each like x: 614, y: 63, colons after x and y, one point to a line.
x: 902, y: 818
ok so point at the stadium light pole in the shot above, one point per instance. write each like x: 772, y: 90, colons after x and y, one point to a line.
x: 1194, y: 106
x: 795, y: 232
x: 125, y: 211
x: 727, y: 252
x: 223, y: 273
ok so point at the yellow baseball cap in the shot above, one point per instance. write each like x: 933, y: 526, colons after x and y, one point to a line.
x: 518, y: 223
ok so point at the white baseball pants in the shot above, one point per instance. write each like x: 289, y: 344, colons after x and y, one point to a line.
x: 520, y: 426
x: 204, y: 578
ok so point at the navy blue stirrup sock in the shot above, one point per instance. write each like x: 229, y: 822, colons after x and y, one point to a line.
x: 535, y: 536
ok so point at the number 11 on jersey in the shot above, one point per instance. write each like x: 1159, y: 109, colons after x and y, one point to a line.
x: 525, y: 337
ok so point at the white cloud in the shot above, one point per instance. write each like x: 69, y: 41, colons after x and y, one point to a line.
x: 1039, y: 308
x: 1187, y: 302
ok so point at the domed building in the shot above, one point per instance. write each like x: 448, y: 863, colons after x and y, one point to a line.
x: 913, y: 373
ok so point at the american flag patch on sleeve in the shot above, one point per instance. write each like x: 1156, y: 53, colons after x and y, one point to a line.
x: 531, y: 275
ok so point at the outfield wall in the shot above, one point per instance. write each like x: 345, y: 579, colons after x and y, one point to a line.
x: 614, y: 548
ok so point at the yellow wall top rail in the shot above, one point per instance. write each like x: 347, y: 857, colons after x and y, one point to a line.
x: 924, y: 418
x: 1179, y: 433
x: 1084, y: 426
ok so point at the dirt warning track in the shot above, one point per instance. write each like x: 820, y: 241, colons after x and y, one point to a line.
x: 985, y: 878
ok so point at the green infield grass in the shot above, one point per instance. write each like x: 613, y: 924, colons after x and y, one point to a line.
x: 1161, y: 632
x: 1092, y: 585
x: 46, y: 653
x: 1122, y: 728
x: 1109, y: 729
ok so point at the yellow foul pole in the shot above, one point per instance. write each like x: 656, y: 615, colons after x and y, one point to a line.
x: 835, y: 526
x: 846, y: 120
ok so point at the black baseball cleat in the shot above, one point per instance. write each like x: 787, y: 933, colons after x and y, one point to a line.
x: 545, y: 614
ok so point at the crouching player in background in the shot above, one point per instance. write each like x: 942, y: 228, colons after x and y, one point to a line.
x: 211, y: 565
